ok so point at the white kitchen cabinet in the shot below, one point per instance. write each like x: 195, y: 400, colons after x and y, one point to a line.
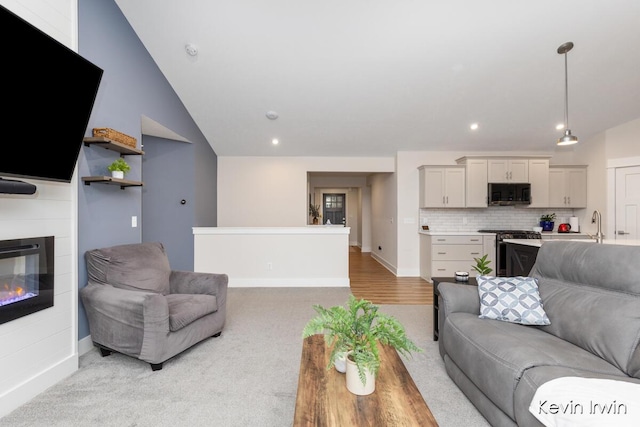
x: 443, y: 255
x: 476, y: 183
x: 508, y: 170
x: 539, y: 179
x: 442, y: 186
x: 567, y: 186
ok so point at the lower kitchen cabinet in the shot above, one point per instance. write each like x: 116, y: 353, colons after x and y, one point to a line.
x: 443, y: 255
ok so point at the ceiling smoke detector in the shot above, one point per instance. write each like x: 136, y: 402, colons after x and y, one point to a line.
x: 272, y: 115
x: 191, y: 49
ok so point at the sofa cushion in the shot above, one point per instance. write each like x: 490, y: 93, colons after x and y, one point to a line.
x: 138, y: 266
x: 495, y: 354
x: 511, y: 299
x: 185, y: 309
x: 591, y: 293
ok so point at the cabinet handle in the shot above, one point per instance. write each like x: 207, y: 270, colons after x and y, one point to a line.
x: 565, y: 200
x: 622, y: 232
x: 475, y: 240
x: 506, y: 175
x: 441, y: 240
x: 475, y: 253
x: 443, y: 200
x: 569, y: 200
x: 447, y: 199
x: 442, y: 253
x: 510, y: 175
x: 441, y: 269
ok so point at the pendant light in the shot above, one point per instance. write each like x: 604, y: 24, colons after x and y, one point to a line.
x: 567, y: 138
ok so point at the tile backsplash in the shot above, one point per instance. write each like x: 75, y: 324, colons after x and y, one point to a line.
x: 491, y: 218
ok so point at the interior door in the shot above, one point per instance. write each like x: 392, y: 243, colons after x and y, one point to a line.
x: 627, y: 202
x: 334, y: 208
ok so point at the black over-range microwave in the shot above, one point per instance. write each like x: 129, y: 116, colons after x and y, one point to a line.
x: 507, y: 194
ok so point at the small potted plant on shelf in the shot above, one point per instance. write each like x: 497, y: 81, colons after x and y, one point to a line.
x: 546, y: 221
x: 355, y: 330
x: 314, y: 212
x: 119, y: 168
x: 482, y: 265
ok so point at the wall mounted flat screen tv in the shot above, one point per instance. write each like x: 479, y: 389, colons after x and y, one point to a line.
x: 48, y: 93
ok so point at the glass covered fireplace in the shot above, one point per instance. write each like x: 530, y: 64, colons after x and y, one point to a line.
x: 26, y: 276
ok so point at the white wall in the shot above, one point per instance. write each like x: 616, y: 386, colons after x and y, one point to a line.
x: 272, y: 191
x: 384, y: 237
x: 313, y: 255
x: 39, y: 350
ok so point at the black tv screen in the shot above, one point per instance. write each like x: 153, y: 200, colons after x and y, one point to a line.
x: 48, y: 92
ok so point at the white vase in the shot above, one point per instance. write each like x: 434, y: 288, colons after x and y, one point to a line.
x: 340, y: 363
x: 354, y: 384
x: 117, y: 174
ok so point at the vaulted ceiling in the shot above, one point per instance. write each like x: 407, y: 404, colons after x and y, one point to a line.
x: 373, y: 77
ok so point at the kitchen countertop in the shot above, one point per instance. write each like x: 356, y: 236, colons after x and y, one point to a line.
x: 539, y: 242
x: 454, y: 233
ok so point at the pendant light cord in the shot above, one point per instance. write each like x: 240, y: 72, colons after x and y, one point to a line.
x: 566, y: 94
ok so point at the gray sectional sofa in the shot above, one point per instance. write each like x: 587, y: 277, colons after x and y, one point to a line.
x: 591, y: 295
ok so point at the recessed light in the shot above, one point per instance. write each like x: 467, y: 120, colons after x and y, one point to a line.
x: 275, y: 141
x: 560, y: 126
x: 473, y: 126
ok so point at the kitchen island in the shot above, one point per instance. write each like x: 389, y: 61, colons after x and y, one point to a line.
x: 522, y: 253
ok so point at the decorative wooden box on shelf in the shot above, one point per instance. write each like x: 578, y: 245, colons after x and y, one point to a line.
x: 119, y: 147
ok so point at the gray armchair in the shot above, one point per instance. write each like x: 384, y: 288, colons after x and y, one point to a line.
x: 136, y: 305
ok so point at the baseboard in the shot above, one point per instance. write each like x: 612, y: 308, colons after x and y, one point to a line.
x: 32, y: 387
x: 384, y: 263
x: 289, y: 283
x: 85, y: 345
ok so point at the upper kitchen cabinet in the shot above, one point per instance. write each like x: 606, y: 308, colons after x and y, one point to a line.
x: 476, y: 182
x: 508, y: 170
x: 442, y: 186
x: 539, y: 179
x: 567, y: 186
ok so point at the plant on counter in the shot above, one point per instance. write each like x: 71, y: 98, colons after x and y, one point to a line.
x: 548, y: 217
x: 356, y: 329
x: 482, y: 265
x: 546, y: 221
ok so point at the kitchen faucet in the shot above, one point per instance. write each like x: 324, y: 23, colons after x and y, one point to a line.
x: 596, y: 218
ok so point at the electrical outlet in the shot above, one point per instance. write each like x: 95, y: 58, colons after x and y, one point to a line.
x: 134, y: 221
x: 269, y: 266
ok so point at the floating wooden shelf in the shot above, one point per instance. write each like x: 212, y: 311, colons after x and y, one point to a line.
x: 110, y: 144
x: 88, y: 180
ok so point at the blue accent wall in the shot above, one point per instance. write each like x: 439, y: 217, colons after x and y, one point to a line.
x: 133, y: 86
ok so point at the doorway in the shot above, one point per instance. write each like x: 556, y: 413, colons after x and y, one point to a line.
x: 334, y: 208
x: 627, y: 203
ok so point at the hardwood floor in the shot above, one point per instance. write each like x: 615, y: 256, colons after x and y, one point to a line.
x: 372, y: 281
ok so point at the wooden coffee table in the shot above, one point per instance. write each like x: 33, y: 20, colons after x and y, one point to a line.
x: 323, y: 398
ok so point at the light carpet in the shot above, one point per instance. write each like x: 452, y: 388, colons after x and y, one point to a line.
x: 246, y: 377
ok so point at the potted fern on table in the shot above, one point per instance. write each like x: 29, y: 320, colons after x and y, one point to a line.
x: 356, y: 329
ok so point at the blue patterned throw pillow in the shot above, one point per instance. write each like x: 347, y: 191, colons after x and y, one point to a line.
x: 511, y: 299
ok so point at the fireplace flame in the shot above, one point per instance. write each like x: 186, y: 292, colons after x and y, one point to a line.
x: 10, y: 293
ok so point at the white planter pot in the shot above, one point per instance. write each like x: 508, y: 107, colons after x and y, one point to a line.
x: 117, y: 174
x: 354, y: 384
x: 341, y: 363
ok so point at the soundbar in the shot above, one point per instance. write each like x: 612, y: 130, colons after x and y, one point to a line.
x: 14, y: 186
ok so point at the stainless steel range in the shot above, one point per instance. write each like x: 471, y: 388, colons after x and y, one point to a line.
x: 501, y: 246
